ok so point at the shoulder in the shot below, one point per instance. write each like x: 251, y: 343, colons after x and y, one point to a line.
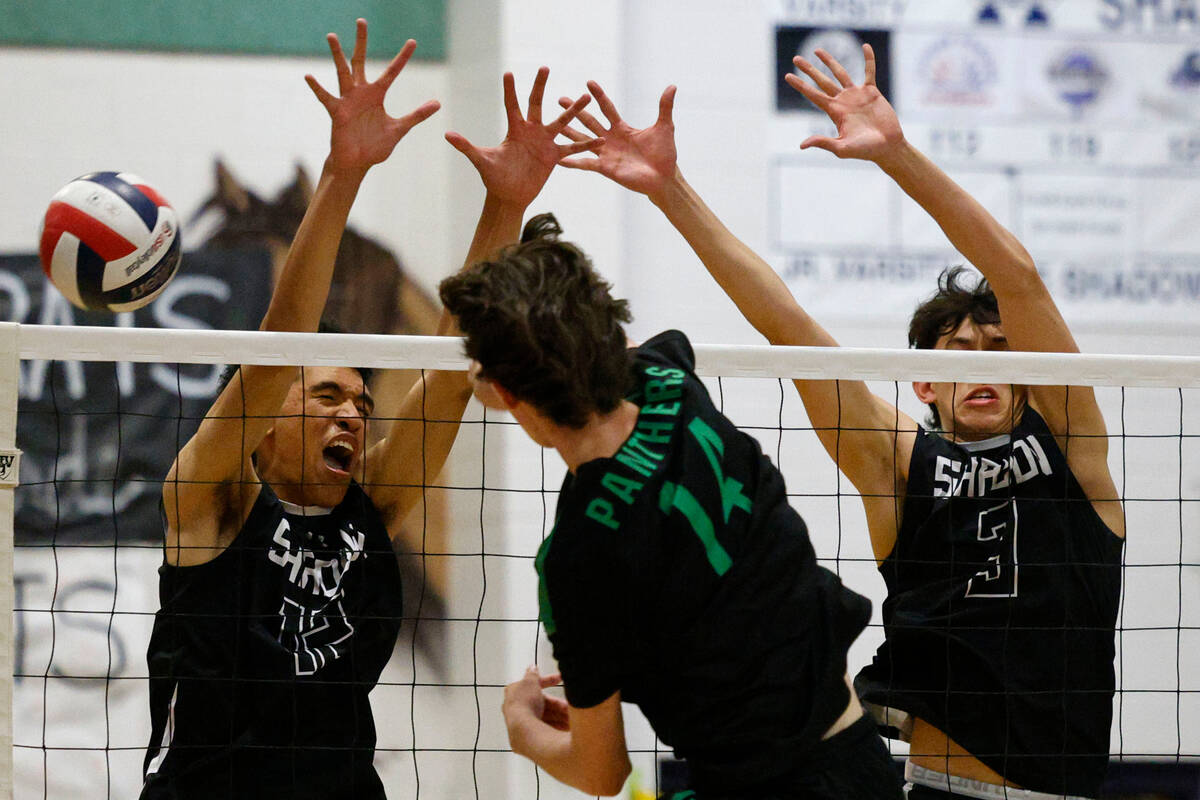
x: 592, y: 515
x: 926, y: 442
x: 358, y: 507
x: 670, y: 346
x: 932, y: 454
x: 358, y: 500
x: 1031, y: 422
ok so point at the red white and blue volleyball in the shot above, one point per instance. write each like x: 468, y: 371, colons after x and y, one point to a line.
x: 110, y: 242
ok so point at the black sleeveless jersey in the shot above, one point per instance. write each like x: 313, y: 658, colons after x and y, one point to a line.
x: 1003, y: 588
x: 261, y: 659
x: 678, y: 574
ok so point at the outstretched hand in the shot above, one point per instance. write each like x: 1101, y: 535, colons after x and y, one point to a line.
x: 642, y: 160
x: 867, y: 124
x: 363, y: 133
x: 516, y: 170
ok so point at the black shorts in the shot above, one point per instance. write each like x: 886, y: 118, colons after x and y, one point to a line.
x: 853, y: 764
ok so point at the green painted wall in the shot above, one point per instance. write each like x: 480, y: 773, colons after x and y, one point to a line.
x: 261, y: 27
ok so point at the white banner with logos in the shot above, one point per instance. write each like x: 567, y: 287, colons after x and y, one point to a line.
x: 1076, y: 122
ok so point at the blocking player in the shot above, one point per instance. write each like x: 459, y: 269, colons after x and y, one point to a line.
x: 281, y: 597
x: 1006, y: 683
x: 677, y: 577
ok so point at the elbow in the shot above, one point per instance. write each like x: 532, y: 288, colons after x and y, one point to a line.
x: 1024, y: 269
x: 1015, y: 270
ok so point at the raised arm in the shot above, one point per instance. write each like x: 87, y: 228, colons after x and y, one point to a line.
x: 212, y: 483
x: 513, y: 173
x: 868, y: 437
x: 868, y: 129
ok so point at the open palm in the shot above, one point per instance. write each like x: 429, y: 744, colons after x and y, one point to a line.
x: 363, y: 133
x: 866, y: 122
x: 515, y: 170
x: 640, y: 159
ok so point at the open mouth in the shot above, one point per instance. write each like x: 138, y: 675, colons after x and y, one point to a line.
x: 338, y: 456
x: 980, y: 396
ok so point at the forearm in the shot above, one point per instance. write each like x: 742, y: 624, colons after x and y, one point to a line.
x: 553, y: 750
x: 973, y: 231
x: 303, y: 284
x: 428, y: 419
x: 1032, y: 321
x: 499, y: 225
x: 545, y: 746
x: 757, y: 290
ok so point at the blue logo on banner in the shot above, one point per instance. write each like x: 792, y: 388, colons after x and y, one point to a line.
x: 1032, y: 13
x: 1079, y: 77
x: 958, y: 70
x: 1188, y: 75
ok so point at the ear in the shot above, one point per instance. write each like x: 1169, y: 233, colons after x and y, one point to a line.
x: 304, y: 184
x: 293, y: 199
x: 924, y: 391
x: 492, y: 394
x: 230, y: 195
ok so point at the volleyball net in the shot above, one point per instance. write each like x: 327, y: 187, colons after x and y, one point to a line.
x: 103, y: 411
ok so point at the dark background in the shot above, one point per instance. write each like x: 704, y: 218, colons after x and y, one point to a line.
x: 787, y: 43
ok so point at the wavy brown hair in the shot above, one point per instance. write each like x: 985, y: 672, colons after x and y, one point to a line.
x: 544, y: 325
x: 956, y: 299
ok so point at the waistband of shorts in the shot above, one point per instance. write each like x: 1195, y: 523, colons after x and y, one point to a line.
x: 861, y: 728
x: 969, y: 787
x: 796, y: 758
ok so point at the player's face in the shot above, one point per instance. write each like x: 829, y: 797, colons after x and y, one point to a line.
x: 319, y: 437
x: 972, y: 411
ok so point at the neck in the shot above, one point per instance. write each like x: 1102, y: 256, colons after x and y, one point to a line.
x: 601, y: 437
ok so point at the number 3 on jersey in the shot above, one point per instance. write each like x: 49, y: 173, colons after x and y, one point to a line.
x: 997, y: 532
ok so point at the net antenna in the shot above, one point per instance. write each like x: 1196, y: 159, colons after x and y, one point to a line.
x: 9, y: 470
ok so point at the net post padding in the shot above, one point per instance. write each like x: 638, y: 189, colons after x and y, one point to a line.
x: 9, y: 461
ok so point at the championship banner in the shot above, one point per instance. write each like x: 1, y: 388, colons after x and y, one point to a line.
x: 98, y: 438
x: 1075, y: 122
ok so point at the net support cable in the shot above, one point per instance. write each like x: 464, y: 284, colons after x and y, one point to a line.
x: 84, y: 343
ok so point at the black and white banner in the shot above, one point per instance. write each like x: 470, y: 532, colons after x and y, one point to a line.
x: 98, y: 438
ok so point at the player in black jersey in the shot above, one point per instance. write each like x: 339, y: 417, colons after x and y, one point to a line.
x: 677, y: 577
x: 280, y: 595
x: 998, y: 531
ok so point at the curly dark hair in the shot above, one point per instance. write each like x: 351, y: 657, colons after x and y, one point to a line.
x: 543, y: 324
x: 954, y: 301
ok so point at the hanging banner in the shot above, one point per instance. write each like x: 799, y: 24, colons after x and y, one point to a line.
x: 1075, y: 122
x: 98, y: 438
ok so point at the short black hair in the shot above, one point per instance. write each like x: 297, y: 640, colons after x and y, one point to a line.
x: 324, y: 327
x: 943, y: 311
x: 544, y: 325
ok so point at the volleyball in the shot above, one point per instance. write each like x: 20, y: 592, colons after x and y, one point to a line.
x: 110, y: 242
